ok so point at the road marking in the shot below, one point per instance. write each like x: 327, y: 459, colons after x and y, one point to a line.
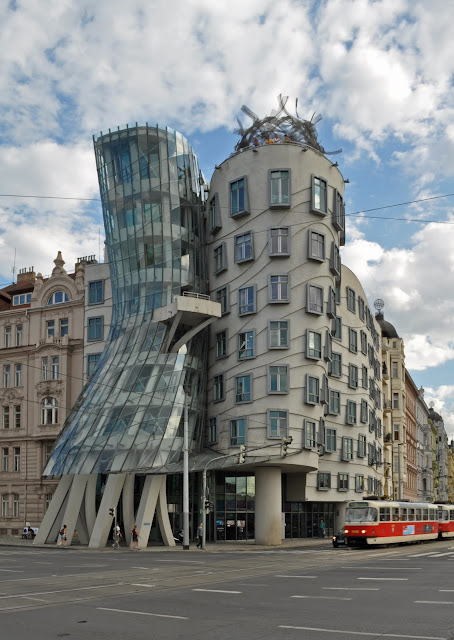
x: 253, y: 584
x: 186, y: 561
x: 142, y: 585
x: 217, y: 591
x: 386, y: 568
x: 46, y: 593
x: 13, y: 570
x: 322, y: 597
x: 440, y: 555
x: 382, y: 578
x: 282, y: 576
x: 37, y: 599
x: 364, y: 633
x: 145, y: 613
x: 432, y: 602
x: 420, y: 555
x: 446, y: 590
x: 352, y: 588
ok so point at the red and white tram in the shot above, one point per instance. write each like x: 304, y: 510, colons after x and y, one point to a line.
x: 383, y: 522
x: 446, y: 520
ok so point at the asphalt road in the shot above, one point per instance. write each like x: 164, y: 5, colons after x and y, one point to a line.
x: 299, y: 594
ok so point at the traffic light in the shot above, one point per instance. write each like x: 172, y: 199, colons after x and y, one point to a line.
x: 207, y: 505
x: 112, y: 512
x: 242, y: 456
x: 284, y: 445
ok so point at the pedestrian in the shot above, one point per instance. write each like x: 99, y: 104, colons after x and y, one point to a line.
x: 117, y: 537
x: 63, y: 537
x: 321, y: 533
x: 200, y: 536
x: 134, y: 538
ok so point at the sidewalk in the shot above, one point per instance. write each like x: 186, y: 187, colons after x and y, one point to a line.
x: 214, y: 547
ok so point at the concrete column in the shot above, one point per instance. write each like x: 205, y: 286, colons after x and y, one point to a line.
x: 128, y: 506
x: 163, y: 516
x: 90, y: 503
x: 52, y: 521
x: 110, y: 498
x: 147, y: 506
x: 268, y: 505
x: 75, y: 499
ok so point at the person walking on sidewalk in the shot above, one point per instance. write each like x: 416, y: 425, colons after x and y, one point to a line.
x: 117, y: 537
x: 63, y: 538
x: 200, y: 536
x: 134, y: 538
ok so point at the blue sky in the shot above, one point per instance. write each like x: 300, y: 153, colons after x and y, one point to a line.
x: 379, y: 71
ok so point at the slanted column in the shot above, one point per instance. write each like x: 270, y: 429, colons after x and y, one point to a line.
x: 268, y: 505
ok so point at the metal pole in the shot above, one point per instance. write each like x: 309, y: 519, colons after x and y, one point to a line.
x: 185, y: 477
x: 399, y: 471
x: 204, y: 513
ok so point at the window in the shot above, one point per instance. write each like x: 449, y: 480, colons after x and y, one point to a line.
x: 279, y: 288
x: 221, y: 344
x: 328, y: 352
x: 279, y: 241
x: 238, y: 200
x: 323, y: 480
x: 353, y: 341
x: 394, y: 370
x: 316, y: 247
x: 334, y: 402
x: 58, y: 297
x: 351, y: 300
x: 92, y: 361
x: 351, y: 412
x: 363, y: 342
x: 246, y: 345
x: 338, y: 212
x: 246, y: 300
x: 238, y: 432
x: 64, y: 327
x: 243, y: 388
x: 49, y: 411
x: 359, y: 483
x: 218, y: 388
x: 395, y: 400
x: 18, y: 335
x: 23, y: 298
x: 96, y: 292
x: 365, y: 377
x: 364, y: 411
x: 347, y: 448
x: 319, y: 196
x: 214, y: 214
x: 278, y: 379
x: 312, y: 390
x: 353, y: 376
x: 222, y: 296
x: 331, y: 306
x: 15, y: 505
x: 361, y: 308
x: 47, y: 500
x: 277, y: 423
x: 5, y: 505
x: 278, y: 334
x: 213, y: 430
x: 337, y: 328
x: 310, y: 429
x: 7, y: 337
x: 17, y: 375
x: 5, y: 417
x: 335, y: 367
x: 50, y: 328
x: 314, y: 303
x: 44, y: 369
x: 6, y: 375
x: 244, y: 249
x: 342, y: 482
x: 313, y: 345
x: 16, y: 458
x: 335, y: 260
x: 5, y: 458
x: 331, y: 440
x: 95, y: 328
x: 47, y: 453
x: 219, y: 258
x: 55, y: 368
x: 396, y: 432
x: 17, y: 416
x: 280, y: 188
x: 361, y: 446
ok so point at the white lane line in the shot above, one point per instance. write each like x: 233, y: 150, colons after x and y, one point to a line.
x: 84, y: 566
x: 281, y: 576
x: 149, y: 568
x: 433, y: 602
x: 382, y: 578
x: 142, y: 585
x: 441, y: 555
x: 44, y: 563
x: 322, y: 597
x: 46, y: 593
x: 180, y: 561
x: 386, y: 568
x: 37, y: 599
x: 364, y: 633
x: 216, y: 591
x: 420, y: 555
x: 351, y: 588
x: 446, y: 590
x: 13, y: 570
x: 143, y: 613
x: 252, y: 584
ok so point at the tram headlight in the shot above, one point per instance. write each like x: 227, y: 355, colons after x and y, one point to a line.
x: 363, y: 531
x: 345, y: 530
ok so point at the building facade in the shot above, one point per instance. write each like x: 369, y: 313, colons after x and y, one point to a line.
x: 424, y: 451
x: 410, y: 489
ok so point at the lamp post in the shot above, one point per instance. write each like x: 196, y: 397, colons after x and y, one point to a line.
x: 187, y: 390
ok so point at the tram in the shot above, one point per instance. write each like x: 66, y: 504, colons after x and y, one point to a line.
x: 446, y: 520
x: 383, y: 522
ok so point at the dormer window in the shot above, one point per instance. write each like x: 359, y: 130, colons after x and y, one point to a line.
x: 58, y: 297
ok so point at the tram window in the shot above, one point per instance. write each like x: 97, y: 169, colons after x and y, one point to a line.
x: 451, y: 513
x: 403, y: 514
x: 395, y: 513
x: 411, y: 515
x: 425, y: 514
x: 443, y: 515
x: 418, y: 514
x: 385, y: 514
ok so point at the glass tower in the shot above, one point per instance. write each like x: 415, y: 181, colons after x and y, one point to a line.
x: 129, y: 416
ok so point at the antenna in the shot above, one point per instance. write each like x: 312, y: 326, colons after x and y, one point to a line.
x: 13, y: 269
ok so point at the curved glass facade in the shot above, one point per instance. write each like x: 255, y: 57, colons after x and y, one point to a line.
x: 129, y: 416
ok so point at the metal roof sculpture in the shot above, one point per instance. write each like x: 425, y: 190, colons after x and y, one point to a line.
x: 283, y: 124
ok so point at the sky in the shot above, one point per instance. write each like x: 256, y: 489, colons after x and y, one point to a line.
x: 379, y: 71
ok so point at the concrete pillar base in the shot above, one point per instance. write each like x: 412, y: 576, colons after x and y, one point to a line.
x: 268, y: 506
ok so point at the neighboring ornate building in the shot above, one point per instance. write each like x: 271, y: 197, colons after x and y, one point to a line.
x: 441, y: 459
x: 41, y: 356
x: 451, y: 472
x: 425, y: 481
x: 410, y: 490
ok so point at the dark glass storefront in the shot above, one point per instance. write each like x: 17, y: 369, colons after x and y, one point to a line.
x: 302, y: 519
x: 233, y: 517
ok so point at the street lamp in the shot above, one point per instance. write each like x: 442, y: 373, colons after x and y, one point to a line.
x: 187, y: 391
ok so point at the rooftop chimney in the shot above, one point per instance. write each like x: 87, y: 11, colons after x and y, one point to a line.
x: 26, y: 275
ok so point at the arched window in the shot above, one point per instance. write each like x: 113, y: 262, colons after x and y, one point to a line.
x: 58, y: 297
x: 49, y: 411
